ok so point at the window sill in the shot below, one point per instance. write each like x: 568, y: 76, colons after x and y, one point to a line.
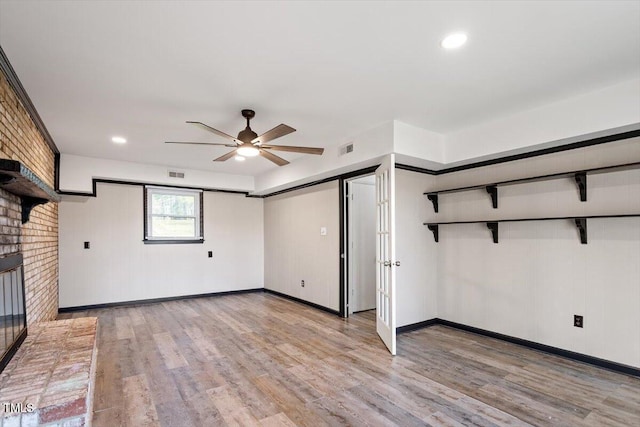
x: 169, y: 242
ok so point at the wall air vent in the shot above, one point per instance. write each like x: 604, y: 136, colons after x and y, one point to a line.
x: 345, y: 149
x: 176, y: 174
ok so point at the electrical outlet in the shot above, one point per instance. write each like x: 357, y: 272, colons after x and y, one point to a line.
x: 302, y: 283
x: 578, y: 321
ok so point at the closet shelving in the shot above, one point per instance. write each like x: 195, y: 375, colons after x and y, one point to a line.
x: 579, y: 176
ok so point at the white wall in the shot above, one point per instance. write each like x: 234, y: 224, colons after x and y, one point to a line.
x: 607, y: 108
x: 361, y: 251
x: 120, y: 267
x: 416, y: 278
x: 77, y: 172
x: 294, y: 248
x: 419, y: 143
x: 538, y: 276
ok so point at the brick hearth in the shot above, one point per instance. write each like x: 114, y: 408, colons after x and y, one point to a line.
x: 54, y: 371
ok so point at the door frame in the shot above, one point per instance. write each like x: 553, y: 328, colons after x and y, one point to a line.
x: 345, y: 236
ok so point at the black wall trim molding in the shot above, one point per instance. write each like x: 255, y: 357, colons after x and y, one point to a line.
x: 416, y: 169
x: 359, y: 172
x: 416, y: 326
x: 301, y: 301
x: 183, y: 297
x: 595, y: 361
x: 572, y: 146
x: 22, y: 95
x: 299, y: 187
x: 371, y: 169
x: 153, y: 300
x: 542, y: 152
x: 96, y: 181
x: 346, y: 175
x: 511, y: 158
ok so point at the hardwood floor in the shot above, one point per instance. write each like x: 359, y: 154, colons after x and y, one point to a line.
x: 257, y: 359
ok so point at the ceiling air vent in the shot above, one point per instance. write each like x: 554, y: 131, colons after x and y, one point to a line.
x: 345, y: 149
x: 176, y: 174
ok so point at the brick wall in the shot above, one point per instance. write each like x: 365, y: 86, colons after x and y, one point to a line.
x: 38, y: 239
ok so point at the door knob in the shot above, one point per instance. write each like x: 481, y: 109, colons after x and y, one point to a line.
x: 387, y: 263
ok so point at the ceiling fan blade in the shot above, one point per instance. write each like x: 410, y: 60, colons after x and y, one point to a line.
x: 227, y: 156
x: 201, y: 143
x: 276, y: 132
x: 275, y: 159
x: 216, y: 131
x: 306, y: 150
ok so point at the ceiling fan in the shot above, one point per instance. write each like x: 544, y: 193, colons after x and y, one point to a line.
x: 249, y: 144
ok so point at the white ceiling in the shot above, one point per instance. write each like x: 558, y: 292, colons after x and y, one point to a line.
x: 329, y: 69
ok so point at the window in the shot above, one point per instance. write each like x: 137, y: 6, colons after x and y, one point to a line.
x: 172, y: 215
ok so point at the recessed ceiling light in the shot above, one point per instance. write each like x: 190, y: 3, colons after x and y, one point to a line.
x: 454, y: 41
x: 239, y: 159
x: 119, y: 140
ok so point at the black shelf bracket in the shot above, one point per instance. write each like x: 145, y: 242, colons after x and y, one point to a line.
x: 493, y: 226
x: 435, y: 231
x: 493, y: 191
x: 581, y: 180
x: 434, y: 200
x: 28, y: 203
x: 17, y: 179
x: 581, y: 223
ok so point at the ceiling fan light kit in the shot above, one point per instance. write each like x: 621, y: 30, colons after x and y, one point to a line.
x: 249, y: 144
x: 248, y: 150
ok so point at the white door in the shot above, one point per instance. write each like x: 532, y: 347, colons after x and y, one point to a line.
x: 362, y: 243
x: 385, y: 253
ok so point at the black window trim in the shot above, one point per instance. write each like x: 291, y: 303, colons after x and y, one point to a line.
x: 147, y: 241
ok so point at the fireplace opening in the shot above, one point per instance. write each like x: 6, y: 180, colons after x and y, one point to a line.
x: 13, y: 319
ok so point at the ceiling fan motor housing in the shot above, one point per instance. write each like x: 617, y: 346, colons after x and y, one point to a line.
x: 247, y: 135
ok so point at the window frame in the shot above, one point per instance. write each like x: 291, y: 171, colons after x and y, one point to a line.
x: 148, y: 190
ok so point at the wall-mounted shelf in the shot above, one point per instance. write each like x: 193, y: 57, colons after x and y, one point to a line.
x: 17, y: 179
x: 579, y: 176
x: 493, y: 225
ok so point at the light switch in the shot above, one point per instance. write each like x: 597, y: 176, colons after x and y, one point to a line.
x: 323, y: 231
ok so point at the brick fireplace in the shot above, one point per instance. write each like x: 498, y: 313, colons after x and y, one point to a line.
x: 22, y: 191
x: 24, y: 138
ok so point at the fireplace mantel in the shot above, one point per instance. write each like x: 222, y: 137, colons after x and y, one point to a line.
x: 16, y: 178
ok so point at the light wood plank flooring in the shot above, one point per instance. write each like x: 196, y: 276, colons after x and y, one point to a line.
x: 257, y: 359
